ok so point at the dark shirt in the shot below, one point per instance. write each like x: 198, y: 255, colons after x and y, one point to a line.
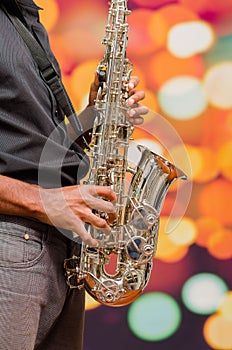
x: 34, y: 144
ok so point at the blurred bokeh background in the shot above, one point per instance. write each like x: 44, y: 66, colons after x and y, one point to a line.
x: 182, y: 52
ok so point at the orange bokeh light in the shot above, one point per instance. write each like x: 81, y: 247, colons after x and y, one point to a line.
x: 214, y: 199
x: 140, y: 40
x: 217, y: 332
x: 216, y: 129
x: 164, y: 18
x: 220, y: 244
x: 224, y: 159
x: 174, y: 66
x: 177, y: 13
x: 206, y: 226
x: 151, y: 102
x: 50, y: 13
x: 79, y: 32
x: 209, y: 169
x: 226, y: 307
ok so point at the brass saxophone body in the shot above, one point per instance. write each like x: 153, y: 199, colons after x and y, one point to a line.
x: 132, y: 244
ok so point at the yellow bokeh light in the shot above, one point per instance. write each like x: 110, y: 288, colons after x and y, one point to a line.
x: 224, y: 159
x: 209, y: 167
x: 158, y: 29
x: 90, y: 303
x: 81, y: 79
x: 50, y: 13
x: 184, y: 233
x: 218, y: 85
x: 190, y: 38
x: 217, y: 332
x: 168, y: 250
x: 176, y: 255
x: 226, y: 307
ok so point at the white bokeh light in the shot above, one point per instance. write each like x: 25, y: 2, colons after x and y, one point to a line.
x: 182, y: 97
x: 203, y: 293
x: 218, y: 85
x: 190, y: 38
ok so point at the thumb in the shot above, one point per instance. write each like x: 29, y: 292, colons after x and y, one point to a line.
x: 93, y: 90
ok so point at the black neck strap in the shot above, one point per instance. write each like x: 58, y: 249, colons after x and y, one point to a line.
x: 46, y: 67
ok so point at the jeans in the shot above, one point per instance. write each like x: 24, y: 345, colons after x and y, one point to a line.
x: 37, y: 308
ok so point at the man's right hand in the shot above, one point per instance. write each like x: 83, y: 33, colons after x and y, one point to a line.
x: 67, y: 207
x: 71, y: 207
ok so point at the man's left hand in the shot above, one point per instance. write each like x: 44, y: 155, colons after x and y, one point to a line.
x: 136, y: 109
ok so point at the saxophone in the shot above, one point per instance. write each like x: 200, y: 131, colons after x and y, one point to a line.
x: 132, y: 244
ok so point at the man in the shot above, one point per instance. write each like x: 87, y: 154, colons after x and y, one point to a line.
x: 42, y: 204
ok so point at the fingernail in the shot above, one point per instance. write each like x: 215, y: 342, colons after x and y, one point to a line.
x: 131, y: 85
x: 131, y: 101
x: 132, y: 112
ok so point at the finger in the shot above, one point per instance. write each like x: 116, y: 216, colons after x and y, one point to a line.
x: 136, y: 96
x: 104, y: 191
x: 137, y: 120
x: 85, y: 236
x: 138, y: 110
x: 93, y: 90
x: 133, y: 82
x: 102, y: 205
x: 96, y: 81
x: 98, y: 222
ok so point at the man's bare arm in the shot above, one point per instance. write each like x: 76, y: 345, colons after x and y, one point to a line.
x: 68, y: 207
x: 19, y: 198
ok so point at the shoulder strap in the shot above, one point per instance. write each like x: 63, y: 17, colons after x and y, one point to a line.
x: 46, y: 67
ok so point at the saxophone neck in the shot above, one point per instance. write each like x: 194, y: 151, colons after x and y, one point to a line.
x: 115, y: 69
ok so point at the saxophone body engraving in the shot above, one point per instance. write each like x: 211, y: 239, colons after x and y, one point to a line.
x: 132, y: 244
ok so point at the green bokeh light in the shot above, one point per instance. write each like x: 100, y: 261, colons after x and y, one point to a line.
x: 154, y: 316
x: 203, y: 293
x: 221, y: 52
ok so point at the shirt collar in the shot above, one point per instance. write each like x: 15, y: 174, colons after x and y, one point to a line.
x: 28, y: 3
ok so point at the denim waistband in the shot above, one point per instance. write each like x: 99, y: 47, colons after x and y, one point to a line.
x: 34, y: 225
x: 65, y: 235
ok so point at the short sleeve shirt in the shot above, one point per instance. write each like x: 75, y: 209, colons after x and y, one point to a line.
x: 34, y: 144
